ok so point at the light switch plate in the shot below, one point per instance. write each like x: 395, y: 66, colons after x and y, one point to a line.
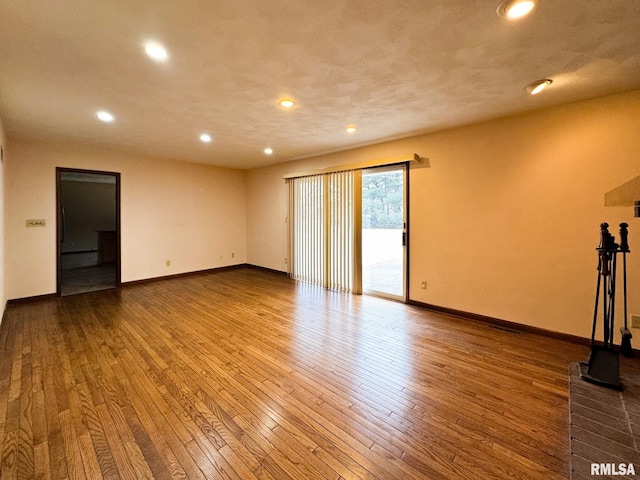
x: 36, y: 222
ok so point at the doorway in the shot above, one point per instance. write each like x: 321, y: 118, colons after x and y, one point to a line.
x: 88, y: 231
x: 384, y: 232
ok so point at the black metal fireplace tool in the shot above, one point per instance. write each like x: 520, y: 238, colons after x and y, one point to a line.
x: 603, y: 364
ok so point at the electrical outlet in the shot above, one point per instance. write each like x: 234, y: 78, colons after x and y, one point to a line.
x: 168, y: 263
x: 36, y: 222
x: 635, y: 321
x: 286, y: 261
x: 424, y: 285
x: 233, y: 255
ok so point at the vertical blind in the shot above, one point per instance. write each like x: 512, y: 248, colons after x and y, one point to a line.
x: 307, y: 229
x: 325, y: 229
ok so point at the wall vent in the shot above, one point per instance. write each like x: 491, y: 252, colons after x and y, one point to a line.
x: 515, y: 332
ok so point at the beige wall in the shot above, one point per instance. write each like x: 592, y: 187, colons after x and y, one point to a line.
x: 190, y: 214
x: 505, y: 221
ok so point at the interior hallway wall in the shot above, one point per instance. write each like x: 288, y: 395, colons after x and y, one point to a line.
x: 192, y: 215
x: 505, y: 220
x: 89, y: 207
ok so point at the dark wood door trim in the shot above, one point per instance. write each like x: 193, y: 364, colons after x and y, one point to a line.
x: 407, y: 216
x: 59, y: 171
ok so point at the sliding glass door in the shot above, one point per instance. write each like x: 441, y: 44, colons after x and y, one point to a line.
x: 384, y: 232
x: 348, y: 231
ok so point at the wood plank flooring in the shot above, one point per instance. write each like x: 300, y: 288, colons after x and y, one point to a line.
x: 246, y: 374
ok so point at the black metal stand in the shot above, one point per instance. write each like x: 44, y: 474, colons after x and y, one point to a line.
x: 603, y: 364
x: 602, y: 368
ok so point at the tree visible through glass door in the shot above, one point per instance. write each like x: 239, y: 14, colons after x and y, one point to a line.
x: 383, y: 230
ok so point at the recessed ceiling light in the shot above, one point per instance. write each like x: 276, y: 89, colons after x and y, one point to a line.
x: 205, y: 137
x: 156, y: 51
x: 351, y: 128
x: 268, y: 151
x: 514, y: 9
x: 105, y: 116
x: 536, y: 87
x: 286, y: 103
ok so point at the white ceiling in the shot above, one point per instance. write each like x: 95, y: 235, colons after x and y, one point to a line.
x: 394, y: 68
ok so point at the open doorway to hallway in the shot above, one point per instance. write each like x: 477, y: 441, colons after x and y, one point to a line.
x: 88, y: 230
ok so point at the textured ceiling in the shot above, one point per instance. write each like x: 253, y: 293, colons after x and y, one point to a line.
x: 392, y: 67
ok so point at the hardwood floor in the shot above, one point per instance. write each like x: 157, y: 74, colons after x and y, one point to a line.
x: 247, y: 374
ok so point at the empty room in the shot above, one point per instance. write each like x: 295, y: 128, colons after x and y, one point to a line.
x: 335, y: 240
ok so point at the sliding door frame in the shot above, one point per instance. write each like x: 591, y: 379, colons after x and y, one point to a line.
x: 406, y: 162
x: 405, y: 167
